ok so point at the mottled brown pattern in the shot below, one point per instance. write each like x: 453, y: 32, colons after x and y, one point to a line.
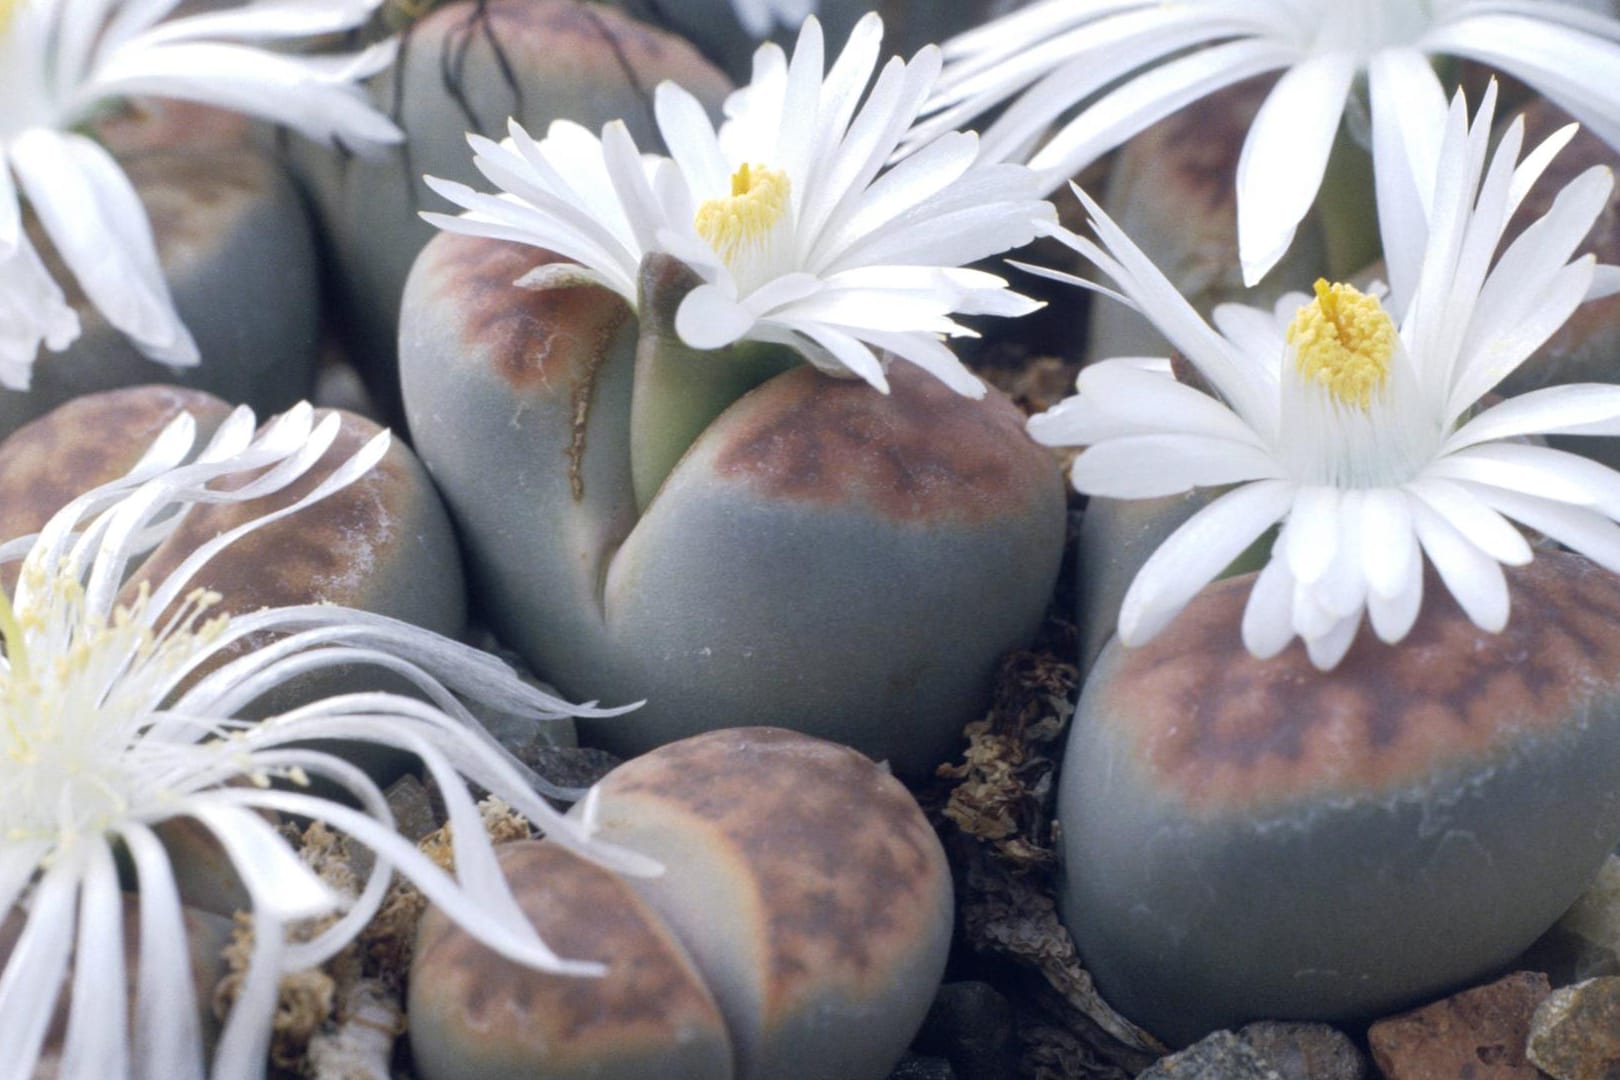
x: 545, y: 339
x: 88, y: 441
x: 650, y: 998
x: 846, y: 865
x: 1219, y: 728
x: 920, y: 452
x: 325, y: 552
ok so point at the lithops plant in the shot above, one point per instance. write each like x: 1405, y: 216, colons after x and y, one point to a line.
x: 238, y: 254
x: 802, y: 885
x: 839, y: 561
x: 1248, y: 838
x: 757, y: 483
x: 476, y: 1016
x: 468, y: 66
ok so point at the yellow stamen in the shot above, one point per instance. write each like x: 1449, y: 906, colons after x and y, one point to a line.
x: 1343, y: 341
x: 8, y: 8
x: 759, y: 198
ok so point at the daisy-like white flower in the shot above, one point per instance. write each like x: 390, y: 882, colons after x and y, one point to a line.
x: 1133, y: 62
x: 787, y: 214
x: 62, y: 61
x: 1360, y: 428
x: 111, y: 723
x: 759, y: 16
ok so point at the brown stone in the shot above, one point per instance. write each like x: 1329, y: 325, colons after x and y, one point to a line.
x: 1575, y: 1033
x: 1479, y: 1034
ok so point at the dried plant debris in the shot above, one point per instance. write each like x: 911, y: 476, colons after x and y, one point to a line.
x: 998, y: 828
x: 1004, y: 788
x: 342, y: 1021
x: 1034, y: 385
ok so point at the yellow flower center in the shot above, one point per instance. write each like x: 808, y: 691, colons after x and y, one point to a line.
x: 1343, y: 341
x: 758, y: 200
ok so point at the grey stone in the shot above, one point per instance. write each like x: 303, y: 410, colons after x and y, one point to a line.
x: 971, y: 1024
x: 1221, y: 1054
x: 1305, y: 1051
x: 917, y: 1067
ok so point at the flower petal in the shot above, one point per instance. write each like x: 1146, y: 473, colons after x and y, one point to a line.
x: 1285, y: 156
x: 1196, y: 553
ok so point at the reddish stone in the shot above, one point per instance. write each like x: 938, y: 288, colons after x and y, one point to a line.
x: 1479, y: 1034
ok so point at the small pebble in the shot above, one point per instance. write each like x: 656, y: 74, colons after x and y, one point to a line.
x: 917, y: 1067
x: 1575, y: 1033
x: 1221, y: 1054
x: 971, y: 1024
x: 1303, y: 1051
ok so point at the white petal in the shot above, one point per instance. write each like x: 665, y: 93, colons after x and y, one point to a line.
x: 1387, y: 544
x: 1313, y: 532
x: 35, y: 969
x: 315, y: 98
x: 1584, y: 531
x: 1392, y: 612
x: 1267, y: 626
x: 1285, y: 155
x: 1327, y: 649
x: 1408, y: 122
x: 1195, y: 553
x: 1473, y: 577
x: 99, y: 226
x: 97, y: 1038
x: 709, y: 318
x: 168, y: 1040
x: 1484, y: 527
x: 1534, y: 470
x: 1148, y: 466
x: 1572, y: 409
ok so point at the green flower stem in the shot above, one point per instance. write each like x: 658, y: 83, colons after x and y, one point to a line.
x: 1348, y: 209
x: 679, y: 390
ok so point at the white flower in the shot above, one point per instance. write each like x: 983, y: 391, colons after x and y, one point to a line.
x: 63, y: 60
x: 1133, y: 62
x: 783, y: 213
x: 1366, y: 442
x: 33, y: 311
x: 105, y: 733
x: 759, y: 16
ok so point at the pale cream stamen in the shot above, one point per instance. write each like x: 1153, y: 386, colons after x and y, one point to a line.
x: 744, y: 220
